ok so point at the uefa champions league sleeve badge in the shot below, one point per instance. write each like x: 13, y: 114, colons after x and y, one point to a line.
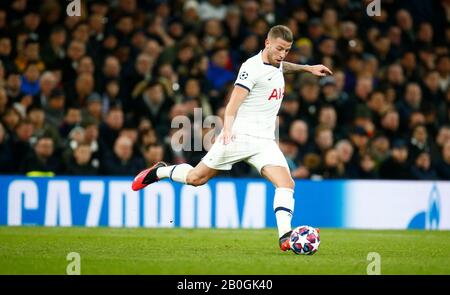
x: 243, y: 75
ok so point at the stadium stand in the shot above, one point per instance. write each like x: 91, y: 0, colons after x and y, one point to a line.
x: 96, y: 94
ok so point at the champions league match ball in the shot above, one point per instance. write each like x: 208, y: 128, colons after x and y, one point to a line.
x: 305, y: 240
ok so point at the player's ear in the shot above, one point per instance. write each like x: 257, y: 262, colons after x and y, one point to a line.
x: 267, y: 43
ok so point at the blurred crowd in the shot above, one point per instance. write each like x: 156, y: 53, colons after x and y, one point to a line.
x: 96, y: 94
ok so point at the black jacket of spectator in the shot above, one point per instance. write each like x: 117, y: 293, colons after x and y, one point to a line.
x: 32, y: 163
x: 6, y: 159
x: 421, y: 174
x: 443, y: 170
x: 20, y: 149
x: 112, y: 165
x: 75, y: 169
x: 107, y: 136
x: 367, y: 174
x: 159, y: 117
x: 390, y: 169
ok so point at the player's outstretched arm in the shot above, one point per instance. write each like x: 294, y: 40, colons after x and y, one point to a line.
x: 237, y: 97
x: 318, y: 70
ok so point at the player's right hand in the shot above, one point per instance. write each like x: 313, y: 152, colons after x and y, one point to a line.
x: 225, y: 137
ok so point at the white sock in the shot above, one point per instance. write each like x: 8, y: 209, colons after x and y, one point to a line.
x: 176, y: 173
x: 283, y: 205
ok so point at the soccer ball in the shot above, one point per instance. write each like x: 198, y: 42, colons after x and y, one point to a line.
x: 305, y: 240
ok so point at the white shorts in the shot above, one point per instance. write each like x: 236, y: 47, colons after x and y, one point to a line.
x: 256, y: 151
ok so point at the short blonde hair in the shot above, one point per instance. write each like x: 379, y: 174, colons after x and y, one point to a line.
x: 282, y: 32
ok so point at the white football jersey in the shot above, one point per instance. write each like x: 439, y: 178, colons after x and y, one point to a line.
x: 257, y: 114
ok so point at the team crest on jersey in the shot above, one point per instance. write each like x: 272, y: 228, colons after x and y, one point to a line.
x: 243, y: 75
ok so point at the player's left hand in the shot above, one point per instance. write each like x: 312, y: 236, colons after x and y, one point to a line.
x: 320, y: 70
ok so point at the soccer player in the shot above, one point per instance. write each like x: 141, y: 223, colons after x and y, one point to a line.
x: 248, y: 133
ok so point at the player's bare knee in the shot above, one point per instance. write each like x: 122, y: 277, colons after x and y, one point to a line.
x: 195, y: 179
x: 290, y: 184
x: 191, y: 178
x: 198, y: 181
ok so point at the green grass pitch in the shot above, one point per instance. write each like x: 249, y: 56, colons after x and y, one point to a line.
x: 40, y: 250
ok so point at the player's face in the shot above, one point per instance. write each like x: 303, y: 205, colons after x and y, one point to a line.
x: 277, y: 49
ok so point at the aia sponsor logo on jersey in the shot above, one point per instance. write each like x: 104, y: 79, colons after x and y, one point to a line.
x: 277, y: 93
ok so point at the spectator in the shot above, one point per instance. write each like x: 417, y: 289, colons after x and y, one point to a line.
x: 397, y: 166
x: 81, y: 162
x: 212, y: 35
x: 75, y: 51
x: 332, y: 166
x: 359, y: 139
x: 10, y: 119
x: 14, y: 86
x: 47, y: 84
x: 91, y: 138
x: 5, y: 53
x: 390, y: 76
x: 390, y: 124
x: 395, y: 78
x: 419, y: 142
x: 378, y: 105
x: 192, y: 90
x: 21, y: 142
x: 71, y: 120
x: 3, y: 100
x: 443, y: 68
x: 218, y: 72
x: 140, y: 75
x: 443, y: 166
x: 153, y: 153
x: 431, y: 88
x: 86, y: 65
x: 409, y: 65
x: 299, y: 134
x: 54, y: 111
x: 36, y: 116
x: 412, y: 102
x: 333, y: 95
x: 29, y: 55
x: 30, y: 79
x: 422, y: 169
x: 379, y: 148
x: 6, y: 159
x: 111, y: 69
x: 309, y: 98
x: 54, y: 52
x: 290, y: 151
x: 346, y: 156
x: 328, y: 117
x: 367, y: 167
x: 41, y: 159
x: 236, y: 32
x: 122, y: 161
x: 154, y: 104
x: 93, y: 110
x: 211, y: 9
x: 323, y: 139
x: 288, y: 112
x: 109, y: 129
x: 441, y: 138
x: 191, y: 16
x: 83, y: 88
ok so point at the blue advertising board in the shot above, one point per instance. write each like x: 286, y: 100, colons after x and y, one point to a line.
x: 221, y: 203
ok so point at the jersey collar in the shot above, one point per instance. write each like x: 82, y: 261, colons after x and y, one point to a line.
x: 266, y: 63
